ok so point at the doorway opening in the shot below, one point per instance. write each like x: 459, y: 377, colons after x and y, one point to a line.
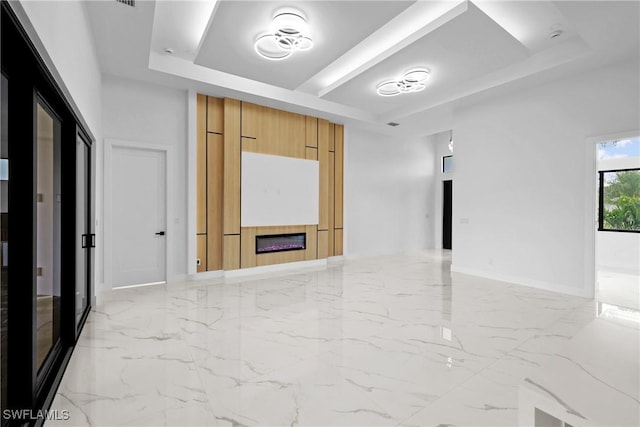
x: 447, y: 214
x: 617, y: 240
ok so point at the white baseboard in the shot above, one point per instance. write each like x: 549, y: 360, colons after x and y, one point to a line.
x: 524, y: 281
x: 205, y: 275
x: 243, y: 272
x: 336, y: 259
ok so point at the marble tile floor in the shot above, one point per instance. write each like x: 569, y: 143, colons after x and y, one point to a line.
x: 388, y: 341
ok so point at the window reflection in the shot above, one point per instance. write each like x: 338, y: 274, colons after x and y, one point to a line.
x: 48, y: 200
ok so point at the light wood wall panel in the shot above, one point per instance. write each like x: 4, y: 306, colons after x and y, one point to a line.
x: 275, y: 132
x: 231, y: 248
x: 339, y: 174
x: 215, y: 115
x: 332, y: 137
x: 323, y: 244
x: 250, y: 113
x: 312, y: 242
x: 215, y: 189
x: 338, y: 242
x: 248, y: 247
x: 332, y: 216
x: 201, y: 165
x: 226, y: 127
x: 312, y: 153
x: 311, y: 131
x: 251, y: 259
x: 323, y: 159
x: 231, y: 220
x: 201, y: 252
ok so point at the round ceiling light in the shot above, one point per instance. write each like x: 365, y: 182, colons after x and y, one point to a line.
x: 288, y: 33
x: 411, y: 81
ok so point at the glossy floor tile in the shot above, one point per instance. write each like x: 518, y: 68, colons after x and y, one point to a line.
x: 372, y: 342
x: 619, y: 288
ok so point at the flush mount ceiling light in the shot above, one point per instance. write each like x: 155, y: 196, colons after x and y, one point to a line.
x: 411, y: 81
x: 288, y: 33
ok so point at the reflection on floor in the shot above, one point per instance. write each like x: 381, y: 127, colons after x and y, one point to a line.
x: 376, y: 342
x: 619, y: 288
x: 44, y: 319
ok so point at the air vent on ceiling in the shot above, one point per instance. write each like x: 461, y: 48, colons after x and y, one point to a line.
x: 131, y: 3
x: 394, y: 124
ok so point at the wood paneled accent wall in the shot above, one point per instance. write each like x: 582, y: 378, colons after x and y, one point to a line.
x: 227, y: 127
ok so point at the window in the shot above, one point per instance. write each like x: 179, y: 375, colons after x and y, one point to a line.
x: 619, y: 200
x: 447, y: 164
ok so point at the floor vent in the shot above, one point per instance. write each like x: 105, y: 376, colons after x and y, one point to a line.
x: 131, y: 3
x: 394, y: 124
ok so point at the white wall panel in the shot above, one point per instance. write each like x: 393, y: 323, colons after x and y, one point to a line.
x: 278, y: 190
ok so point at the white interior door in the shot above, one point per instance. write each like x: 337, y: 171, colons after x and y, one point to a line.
x: 138, y: 216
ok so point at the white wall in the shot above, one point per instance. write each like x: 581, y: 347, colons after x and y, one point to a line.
x: 63, y: 28
x: 388, y: 194
x: 520, y: 170
x: 142, y: 112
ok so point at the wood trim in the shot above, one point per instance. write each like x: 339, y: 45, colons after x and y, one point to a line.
x: 201, y: 252
x: 323, y: 158
x: 338, y: 242
x: 323, y: 244
x: 231, y: 221
x: 339, y: 176
x: 215, y: 115
x: 311, y: 131
x: 201, y: 165
x: 215, y: 189
x: 231, y: 257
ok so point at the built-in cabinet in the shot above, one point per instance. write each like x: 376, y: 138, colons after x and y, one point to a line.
x: 225, y: 129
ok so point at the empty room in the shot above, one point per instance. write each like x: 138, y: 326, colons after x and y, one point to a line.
x: 320, y: 213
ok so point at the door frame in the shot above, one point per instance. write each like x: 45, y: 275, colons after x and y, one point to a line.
x: 109, y: 146
x: 591, y: 206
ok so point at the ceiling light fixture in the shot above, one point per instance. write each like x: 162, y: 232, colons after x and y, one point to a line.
x: 288, y: 33
x: 411, y: 81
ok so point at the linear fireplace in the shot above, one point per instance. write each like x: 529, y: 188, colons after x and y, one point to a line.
x: 281, y: 242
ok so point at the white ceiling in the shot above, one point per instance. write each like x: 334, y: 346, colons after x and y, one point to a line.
x: 471, y: 49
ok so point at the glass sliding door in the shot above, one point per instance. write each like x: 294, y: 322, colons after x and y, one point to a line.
x: 85, y: 240
x: 4, y: 228
x: 48, y: 238
x: 46, y: 179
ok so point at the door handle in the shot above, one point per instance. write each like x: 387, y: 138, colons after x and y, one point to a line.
x: 160, y: 233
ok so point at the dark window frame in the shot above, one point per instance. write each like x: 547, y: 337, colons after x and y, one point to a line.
x: 601, y: 226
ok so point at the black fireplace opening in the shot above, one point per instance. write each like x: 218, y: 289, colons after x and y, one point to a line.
x: 281, y: 242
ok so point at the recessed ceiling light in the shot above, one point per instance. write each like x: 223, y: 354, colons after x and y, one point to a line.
x: 411, y: 81
x: 554, y: 34
x: 288, y: 33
